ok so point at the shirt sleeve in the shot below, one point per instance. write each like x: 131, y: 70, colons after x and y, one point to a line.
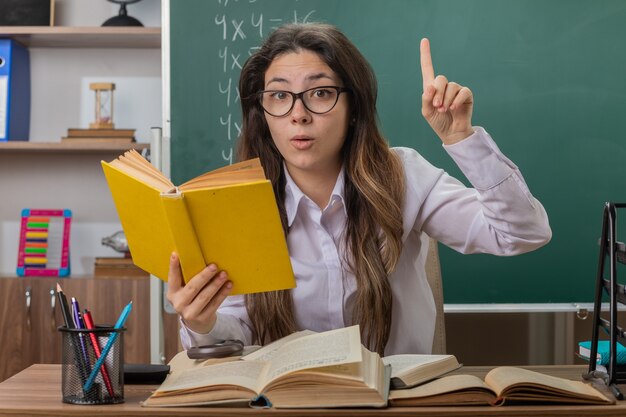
x: 232, y: 323
x: 499, y: 215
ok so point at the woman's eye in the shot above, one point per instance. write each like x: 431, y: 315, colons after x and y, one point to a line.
x: 321, y: 93
x: 280, y: 95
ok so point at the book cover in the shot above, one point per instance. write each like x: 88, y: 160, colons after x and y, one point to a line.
x: 232, y: 222
x: 97, y: 133
x: 14, y: 91
x: 604, y: 349
x: 89, y: 140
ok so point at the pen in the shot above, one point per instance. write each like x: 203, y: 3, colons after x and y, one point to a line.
x: 107, y: 347
x: 78, y: 323
x: 69, y: 324
x: 89, y: 324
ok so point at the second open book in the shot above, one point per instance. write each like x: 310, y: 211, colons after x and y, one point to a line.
x: 228, y: 216
x: 504, y: 384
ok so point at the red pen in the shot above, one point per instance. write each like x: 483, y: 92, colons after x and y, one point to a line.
x: 96, y: 347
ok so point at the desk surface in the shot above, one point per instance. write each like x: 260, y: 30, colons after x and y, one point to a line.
x: 36, y: 391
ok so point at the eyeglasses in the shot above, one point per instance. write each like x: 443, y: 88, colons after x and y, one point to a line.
x: 318, y: 100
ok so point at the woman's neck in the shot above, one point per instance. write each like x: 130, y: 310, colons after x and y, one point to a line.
x: 318, y: 186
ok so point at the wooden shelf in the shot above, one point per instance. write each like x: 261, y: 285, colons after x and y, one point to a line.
x: 83, y: 37
x: 61, y: 147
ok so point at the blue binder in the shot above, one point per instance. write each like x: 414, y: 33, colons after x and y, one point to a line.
x: 14, y: 91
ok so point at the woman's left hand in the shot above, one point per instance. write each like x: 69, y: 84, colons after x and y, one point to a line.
x: 446, y: 105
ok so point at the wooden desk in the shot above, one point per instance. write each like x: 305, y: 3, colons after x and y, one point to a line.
x: 36, y: 391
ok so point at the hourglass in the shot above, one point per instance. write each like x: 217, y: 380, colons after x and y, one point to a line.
x: 104, y: 105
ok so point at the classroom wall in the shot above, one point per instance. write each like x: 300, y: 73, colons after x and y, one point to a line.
x: 61, y: 99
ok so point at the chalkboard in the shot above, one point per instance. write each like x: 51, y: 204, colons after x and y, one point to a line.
x: 549, y: 80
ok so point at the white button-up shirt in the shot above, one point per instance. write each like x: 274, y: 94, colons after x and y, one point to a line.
x: 498, y: 216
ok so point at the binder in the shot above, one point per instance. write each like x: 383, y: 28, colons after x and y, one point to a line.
x: 14, y: 91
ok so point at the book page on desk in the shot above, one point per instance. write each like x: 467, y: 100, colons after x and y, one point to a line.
x: 511, y: 383
x: 449, y: 390
x: 266, y: 353
x: 239, y: 373
x: 412, y: 369
x: 334, y: 347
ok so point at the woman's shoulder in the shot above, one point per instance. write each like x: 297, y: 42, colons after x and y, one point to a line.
x: 410, y: 157
x: 420, y: 174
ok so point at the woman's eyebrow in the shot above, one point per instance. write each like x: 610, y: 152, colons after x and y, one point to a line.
x: 319, y: 75
x: 311, y: 77
x: 277, y: 80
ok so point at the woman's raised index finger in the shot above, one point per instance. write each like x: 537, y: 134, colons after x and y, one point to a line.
x: 428, y: 73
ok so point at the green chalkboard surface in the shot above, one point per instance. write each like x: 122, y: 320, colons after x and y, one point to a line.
x: 549, y: 80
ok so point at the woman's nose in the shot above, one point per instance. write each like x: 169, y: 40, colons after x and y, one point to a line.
x: 299, y: 113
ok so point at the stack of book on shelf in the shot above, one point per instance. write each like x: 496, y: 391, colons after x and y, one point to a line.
x: 82, y: 136
x: 110, y: 267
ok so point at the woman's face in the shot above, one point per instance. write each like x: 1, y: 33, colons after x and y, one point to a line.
x: 310, y: 143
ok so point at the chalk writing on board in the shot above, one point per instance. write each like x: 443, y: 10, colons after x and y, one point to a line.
x: 241, y: 33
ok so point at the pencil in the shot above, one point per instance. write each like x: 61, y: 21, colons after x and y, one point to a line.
x: 64, y: 308
x: 96, y: 347
x: 120, y: 323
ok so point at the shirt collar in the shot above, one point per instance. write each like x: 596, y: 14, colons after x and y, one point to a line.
x: 294, y: 195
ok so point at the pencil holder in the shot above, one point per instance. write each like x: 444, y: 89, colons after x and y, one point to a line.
x: 81, y: 350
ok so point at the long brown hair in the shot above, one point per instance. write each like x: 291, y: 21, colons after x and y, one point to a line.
x: 374, y: 182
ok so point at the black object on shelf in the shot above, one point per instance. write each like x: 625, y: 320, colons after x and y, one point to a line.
x: 26, y: 13
x: 615, y: 252
x: 122, y: 19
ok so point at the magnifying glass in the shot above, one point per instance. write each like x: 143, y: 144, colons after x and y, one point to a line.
x: 217, y: 350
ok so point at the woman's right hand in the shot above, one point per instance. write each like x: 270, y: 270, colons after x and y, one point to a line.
x: 198, y: 301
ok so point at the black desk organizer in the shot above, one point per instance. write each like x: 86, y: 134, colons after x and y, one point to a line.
x: 615, y: 252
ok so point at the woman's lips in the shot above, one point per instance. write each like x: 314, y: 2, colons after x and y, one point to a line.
x: 301, y: 142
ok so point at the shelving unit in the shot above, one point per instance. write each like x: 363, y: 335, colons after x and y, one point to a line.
x: 62, y: 147
x: 83, y: 37
x: 78, y: 37
x: 47, y: 172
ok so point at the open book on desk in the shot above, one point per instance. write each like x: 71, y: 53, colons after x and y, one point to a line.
x: 329, y: 369
x: 228, y: 216
x: 502, y: 385
x: 411, y: 370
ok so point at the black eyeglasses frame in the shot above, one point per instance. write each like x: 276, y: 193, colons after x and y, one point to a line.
x: 296, y: 96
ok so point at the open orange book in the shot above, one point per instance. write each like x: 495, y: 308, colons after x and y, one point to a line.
x: 228, y: 217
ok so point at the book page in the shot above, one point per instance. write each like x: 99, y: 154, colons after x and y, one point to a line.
x: 266, y: 353
x: 244, y: 374
x: 137, y: 167
x: 401, y: 363
x: 334, y: 347
x: 246, y: 171
x: 447, y: 384
x: 505, y: 378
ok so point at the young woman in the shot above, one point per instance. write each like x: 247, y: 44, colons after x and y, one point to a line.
x: 355, y: 212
